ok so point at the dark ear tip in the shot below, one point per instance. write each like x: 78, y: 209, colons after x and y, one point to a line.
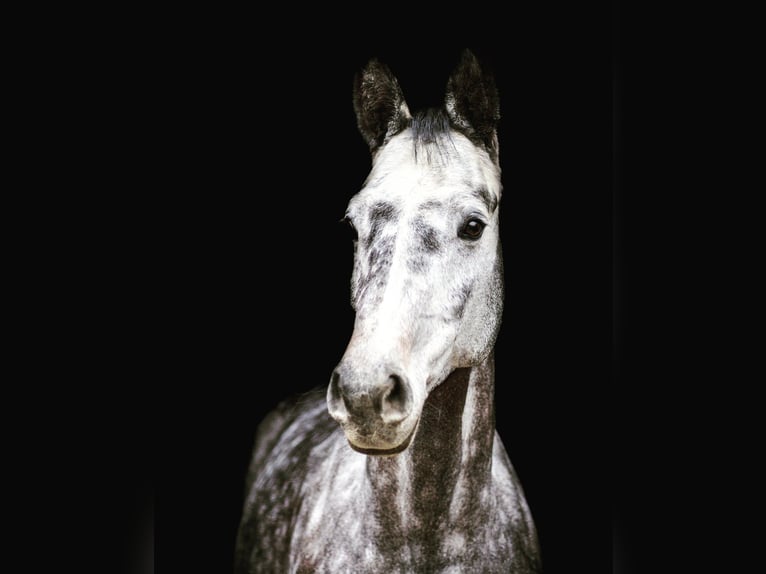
x: 467, y: 55
x: 469, y: 69
x: 375, y: 73
x: 469, y: 61
x: 375, y: 67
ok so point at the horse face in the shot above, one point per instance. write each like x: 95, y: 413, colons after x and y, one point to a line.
x: 426, y: 285
x: 427, y: 278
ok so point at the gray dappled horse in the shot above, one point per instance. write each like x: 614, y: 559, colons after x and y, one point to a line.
x: 397, y: 466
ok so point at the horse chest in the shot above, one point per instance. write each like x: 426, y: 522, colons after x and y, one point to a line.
x: 352, y: 536
x: 456, y: 551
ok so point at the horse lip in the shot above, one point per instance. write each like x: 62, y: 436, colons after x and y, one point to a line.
x: 386, y: 451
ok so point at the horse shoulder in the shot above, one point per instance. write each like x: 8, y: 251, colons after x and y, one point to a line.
x: 285, y: 448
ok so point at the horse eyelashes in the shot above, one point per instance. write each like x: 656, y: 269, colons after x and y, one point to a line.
x: 350, y: 226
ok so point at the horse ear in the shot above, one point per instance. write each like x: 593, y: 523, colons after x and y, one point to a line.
x: 381, y: 111
x: 472, y: 102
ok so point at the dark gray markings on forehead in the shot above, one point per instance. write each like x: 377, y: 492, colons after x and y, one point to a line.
x: 379, y: 261
x: 483, y: 194
x: 427, y: 238
x: 426, y: 245
x: 431, y: 204
x: 379, y: 258
x: 380, y: 213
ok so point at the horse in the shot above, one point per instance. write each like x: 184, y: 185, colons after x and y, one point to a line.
x: 396, y: 464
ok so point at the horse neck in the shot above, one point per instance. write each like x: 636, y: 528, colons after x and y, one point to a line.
x: 444, y: 472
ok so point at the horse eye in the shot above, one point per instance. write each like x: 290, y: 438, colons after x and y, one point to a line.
x: 350, y: 224
x: 472, y: 229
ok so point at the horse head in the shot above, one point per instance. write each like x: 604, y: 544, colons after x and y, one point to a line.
x: 427, y: 282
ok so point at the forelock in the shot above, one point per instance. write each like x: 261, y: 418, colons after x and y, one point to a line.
x: 431, y: 134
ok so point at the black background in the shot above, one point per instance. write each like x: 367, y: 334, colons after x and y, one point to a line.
x: 257, y: 154
x: 210, y: 277
x: 197, y: 164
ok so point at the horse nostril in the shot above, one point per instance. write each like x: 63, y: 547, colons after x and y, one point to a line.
x: 336, y: 404
x: 394, y: 402
x: 396, y: 394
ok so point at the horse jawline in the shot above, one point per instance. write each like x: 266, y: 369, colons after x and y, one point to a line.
x: 385, y: 451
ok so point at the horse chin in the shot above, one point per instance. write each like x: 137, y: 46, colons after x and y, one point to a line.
x: 373, y: 451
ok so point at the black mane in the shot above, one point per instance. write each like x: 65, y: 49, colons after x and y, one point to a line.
x: 427, y: 125
x: 429, y: 128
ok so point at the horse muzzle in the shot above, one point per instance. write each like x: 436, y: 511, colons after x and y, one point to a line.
x: 376, y: 412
